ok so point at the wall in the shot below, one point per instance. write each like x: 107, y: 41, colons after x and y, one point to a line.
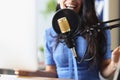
x: 111, y: 11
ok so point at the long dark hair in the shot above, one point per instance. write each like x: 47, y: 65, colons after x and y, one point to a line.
x: 88, y: 17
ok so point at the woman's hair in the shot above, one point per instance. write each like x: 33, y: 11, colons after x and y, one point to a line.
x: 88, y: 17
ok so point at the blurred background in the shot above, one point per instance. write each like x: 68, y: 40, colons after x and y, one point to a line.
x: 106, y: 10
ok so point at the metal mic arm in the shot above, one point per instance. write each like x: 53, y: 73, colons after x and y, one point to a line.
x: 99, y: 28
x: 113, y: 20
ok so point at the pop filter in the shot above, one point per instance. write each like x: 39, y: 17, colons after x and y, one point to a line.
x: 72, y: 18
x: 66, y: 23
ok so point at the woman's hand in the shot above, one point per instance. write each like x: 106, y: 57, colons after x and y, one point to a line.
x: 115, y: 56
x: 25, y: 73
x: 109, y: 66
x: 50, y: 71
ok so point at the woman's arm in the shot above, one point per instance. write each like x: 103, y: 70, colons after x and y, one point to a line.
x: 50, y: 71
x: 108, y: 67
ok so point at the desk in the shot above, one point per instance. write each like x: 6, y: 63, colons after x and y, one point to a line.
x: 14, y: 77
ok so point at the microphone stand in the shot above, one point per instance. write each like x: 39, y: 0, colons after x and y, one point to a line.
x: 99, y: 28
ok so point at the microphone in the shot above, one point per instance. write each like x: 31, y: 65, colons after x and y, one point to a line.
x: 67, y: 23
x: 64, y: 25
x: 65, y: 29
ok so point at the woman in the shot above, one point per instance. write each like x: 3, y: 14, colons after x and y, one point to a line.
x: 58, y: 57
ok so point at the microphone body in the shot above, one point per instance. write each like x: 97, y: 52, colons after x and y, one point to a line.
x: 65, y: 29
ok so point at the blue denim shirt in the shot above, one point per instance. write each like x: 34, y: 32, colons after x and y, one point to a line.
x: 61, y: 57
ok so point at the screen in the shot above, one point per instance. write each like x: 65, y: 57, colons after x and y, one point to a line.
x: 18, y: 41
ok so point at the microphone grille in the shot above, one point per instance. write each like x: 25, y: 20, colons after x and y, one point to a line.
x: 63, y: 24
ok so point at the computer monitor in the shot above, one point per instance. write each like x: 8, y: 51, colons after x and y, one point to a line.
x: 18, y: 35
